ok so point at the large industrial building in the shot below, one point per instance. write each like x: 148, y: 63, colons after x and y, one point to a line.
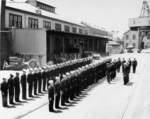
x: 37, y: 31
x: 138, y: 35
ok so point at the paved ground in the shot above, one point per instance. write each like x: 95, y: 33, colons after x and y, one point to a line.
x: 102, y: 101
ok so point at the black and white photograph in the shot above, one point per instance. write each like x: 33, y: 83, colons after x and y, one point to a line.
x: 74, y: 59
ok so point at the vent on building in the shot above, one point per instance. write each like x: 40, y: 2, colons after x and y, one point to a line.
x: 38, y: 11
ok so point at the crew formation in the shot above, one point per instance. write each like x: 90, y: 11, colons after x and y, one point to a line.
x: 64, y: 81
x: 115, y: 66
x: 67, y: 86
x: 32, y: 82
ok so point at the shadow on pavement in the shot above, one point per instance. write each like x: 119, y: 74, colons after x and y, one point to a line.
x: 10, y: 106
x: 57, y: 111
x: 130, y: 83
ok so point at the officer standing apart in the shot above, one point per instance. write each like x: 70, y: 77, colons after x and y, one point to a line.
x: 129, y: 61
x: 51, y: 95
x: 24, y: 84
x: 4, y: 92
x: 11, y: 89
x: 126, y: 73
x: 17, y: 87
x: 134, y: 65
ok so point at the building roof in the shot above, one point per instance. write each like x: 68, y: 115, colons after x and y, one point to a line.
x: 29, y: 8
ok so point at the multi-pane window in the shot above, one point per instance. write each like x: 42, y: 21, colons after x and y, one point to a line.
x: 126, y: 45
x: 86, y: 32
x: 46, y: 7
x: 134, y: 36
x: 74, y: 30
x: 15, y: 20
x: 80, y: 31
x: 33, y: 23
x: 127, y: 37
x: 57, y: 27
x: 66, y: 28
x: 47, y: 24
x: 148, y: 36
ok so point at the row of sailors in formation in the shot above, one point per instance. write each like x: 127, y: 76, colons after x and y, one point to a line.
x: 116, y: 65
x: 69, y: 86
x: 34, y: 81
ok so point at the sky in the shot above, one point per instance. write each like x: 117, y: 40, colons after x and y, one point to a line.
x: 112, y: 15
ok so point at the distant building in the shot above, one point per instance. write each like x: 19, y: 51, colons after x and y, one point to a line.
x: 139, y: 29
x: 113, y: 47
x: 38, y: 32
x: 131, y: 38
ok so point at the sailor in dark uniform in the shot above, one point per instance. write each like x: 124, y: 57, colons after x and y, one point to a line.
x: 63, y: 90
x: 35, y: 81
x: 30, y: 78
x: 4, y: 92
x: 134, y: 65
x: 11, y: 89
x: 24, y: 85
x: 39, y: 80
x: 44, y: 78
x: 108, y: 72
x: 126, y: 73
x: 17, y: 87
x: 57, y: 92
x: 51, y: 92
x: 130, y: 63
x: 118, y: 65
x: 122, y: 63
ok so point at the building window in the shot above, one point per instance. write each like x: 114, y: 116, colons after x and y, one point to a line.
x: 46, y: 24
x: 57, y: 27
x: 148, y: 35
x: 66, y: 28
x: 33, y: 23
x: 126, y: 45
x: 86, y: 32
x: 134, y: 37
x: 74, y: 30
x: 15, y: 21
x: 46, y: 7
x: 127, y: 37
x: 80, y: 31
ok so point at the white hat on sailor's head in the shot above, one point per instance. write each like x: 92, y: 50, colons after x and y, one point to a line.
x: 86, y: 66
x: 35, y: 69
x: 44, y: 67
x: 67, y: 73
x: 63, y: 75
x: 24, y: 70
x: 57, y: 78
x: 41, y: 70
x: 72, y: 72
x: 51, y: 82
